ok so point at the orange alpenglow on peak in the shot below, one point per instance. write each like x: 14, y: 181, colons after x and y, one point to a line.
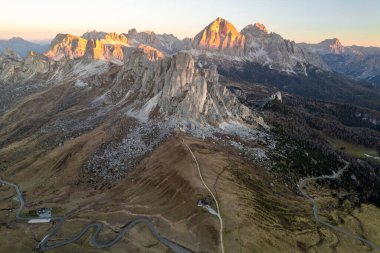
x: 255, y: 29
x: 67, y: 45
x: 219, y: 34
x: 261, y: 27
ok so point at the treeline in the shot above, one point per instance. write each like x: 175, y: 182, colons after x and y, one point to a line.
x: 307, y: 125
x: 317, y: 84
x: 305, y: 116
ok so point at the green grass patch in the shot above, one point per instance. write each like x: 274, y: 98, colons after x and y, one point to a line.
x: 354, y: 150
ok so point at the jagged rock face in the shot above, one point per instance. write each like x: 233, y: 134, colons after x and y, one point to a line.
x: 166, y: 43
x: 13, y: 68
x: 255, y: 29
x: 272, y: 50
x: 97, y: 46
x: 220, y: 35
x: 152, y: 53
x: 11, y: 54
x: 254, y: 44
x: 106, y: 38
x: 174, y: 88
x: 335, y: 46
x: 67, y: 45
x: 36, y: 63
x: 10, y: 63
x: 95, y: 49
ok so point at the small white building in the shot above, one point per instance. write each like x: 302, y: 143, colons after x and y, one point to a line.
x: 39, y: 220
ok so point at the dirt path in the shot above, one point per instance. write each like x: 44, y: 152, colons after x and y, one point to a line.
x: 212, y: 194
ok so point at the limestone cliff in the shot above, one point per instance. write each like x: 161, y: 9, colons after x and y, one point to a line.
x: 220, y: 35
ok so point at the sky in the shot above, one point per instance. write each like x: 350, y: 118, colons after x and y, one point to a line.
x: 352, y: 21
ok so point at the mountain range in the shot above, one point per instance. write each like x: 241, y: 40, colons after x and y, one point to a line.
x: 220, y: 39
x: 218, y: 141
x: 362, y: 63
x: 22, y: 47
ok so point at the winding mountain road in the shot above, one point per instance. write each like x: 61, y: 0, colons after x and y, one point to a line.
x: 59, y: 221
x: 43, y: 244
x: 212, y: 194
x: 301, y: 188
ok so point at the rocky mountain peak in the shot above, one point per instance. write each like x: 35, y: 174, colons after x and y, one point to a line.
x: 254, y: 29
x: 152, y: 53
x: 106, y: 38
x: 178, y: 90
x: 222, y: 26
x: 334, y: 46
x: 67, y: 45
x: 219, y: 34
x: 331, y: 42
x: 94, y: 35
x: 11, y: 54
x: 165, y: 43
x: 132, y: 31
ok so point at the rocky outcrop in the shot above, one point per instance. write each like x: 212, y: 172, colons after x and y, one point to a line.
x: 67, y: 45
x: 107, y: 38
x: 96, y: 50
x: 10, y: 64
x: 97, y: 46
x: 272, y: 50
x: 36, y: 63
x: 176, y: 89
x: 14, y: 68
x: 152, y: 53
x: 166, y: 43
x: 220, y: 35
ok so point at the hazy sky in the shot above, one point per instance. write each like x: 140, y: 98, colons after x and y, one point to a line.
x: 352, y: 21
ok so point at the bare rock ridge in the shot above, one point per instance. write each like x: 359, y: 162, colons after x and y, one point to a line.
x: 175, y: 90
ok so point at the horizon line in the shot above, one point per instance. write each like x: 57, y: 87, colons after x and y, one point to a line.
x: 50, y: 39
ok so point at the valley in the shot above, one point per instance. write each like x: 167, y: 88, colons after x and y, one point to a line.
x: 178, y: 218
